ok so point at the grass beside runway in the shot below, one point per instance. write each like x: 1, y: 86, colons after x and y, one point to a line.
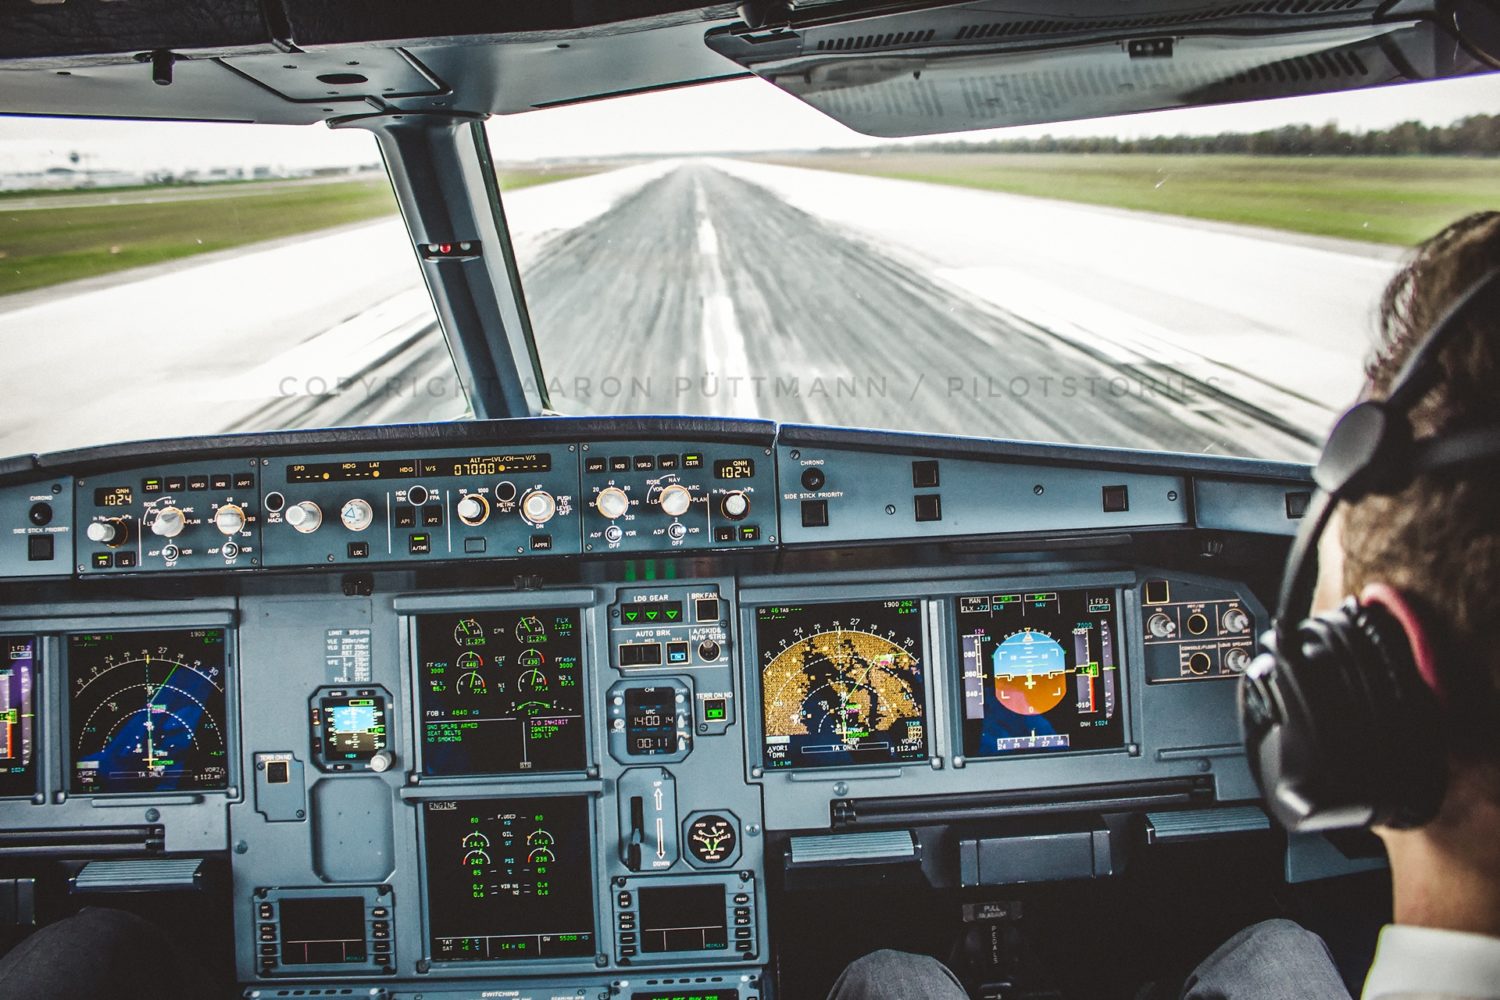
x: 47, y: 246
x: 1394, y: 200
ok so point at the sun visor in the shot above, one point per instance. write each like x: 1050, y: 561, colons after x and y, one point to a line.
x: 986, y: 65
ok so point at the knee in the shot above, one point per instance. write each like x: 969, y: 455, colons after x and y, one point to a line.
x: 1278, y: 936
x: 895, y: 975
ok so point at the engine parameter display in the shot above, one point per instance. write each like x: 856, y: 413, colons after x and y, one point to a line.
x: 842, y: 684
x: 501, y: 691
x: 509, y: 879
x: 146, y: 711
x: 17, y: 715
x: 1040, y: 672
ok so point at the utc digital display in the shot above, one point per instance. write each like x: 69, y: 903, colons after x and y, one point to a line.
x: 650, y: 720
x: 509, y: 879
x: 1040, y: 672
x: 842, y: 684
x: 501, y: 691
x: 17, y: 715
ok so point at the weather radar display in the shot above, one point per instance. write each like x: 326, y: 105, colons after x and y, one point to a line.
x: 146, y: 711
x: 842, y: 684
x: 1040, y: 672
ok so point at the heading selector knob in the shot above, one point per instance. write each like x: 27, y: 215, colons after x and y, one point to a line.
x: 675, y: 500
x: 612, y: 502
x: 538, y: 507
x: 229, y: 519
x: 168, y: 522
x: 306, y: 516
x: 473, y: 509
x: 109, y: 533
x: 357, y: 515
x: 735, y: 505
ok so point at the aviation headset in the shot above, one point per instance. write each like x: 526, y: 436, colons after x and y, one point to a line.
x: 1340, y: 727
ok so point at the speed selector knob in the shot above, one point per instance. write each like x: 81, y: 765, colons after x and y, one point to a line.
x: 106, y: 532
x: 612, y: 502
x: 168, y: 522
x: 229, y: 519
x: 675, y: 500
x: 473, y: 509
x: 735, y: 505
x: 538, y: 507
x: 357, y: 515
x: 306, y: 516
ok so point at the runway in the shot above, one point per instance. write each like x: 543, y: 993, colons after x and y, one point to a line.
x: 744, y: 289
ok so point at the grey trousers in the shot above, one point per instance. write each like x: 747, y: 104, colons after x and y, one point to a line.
x: 1274, y: 960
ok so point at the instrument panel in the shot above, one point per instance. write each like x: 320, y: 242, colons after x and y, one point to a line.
x: 582, y: 779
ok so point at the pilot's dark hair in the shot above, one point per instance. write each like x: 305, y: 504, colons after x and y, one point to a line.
x: 1438, y: 540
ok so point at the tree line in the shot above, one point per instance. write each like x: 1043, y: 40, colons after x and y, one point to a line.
x: 1476, y: 135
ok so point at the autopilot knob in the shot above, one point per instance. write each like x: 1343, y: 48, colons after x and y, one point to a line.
x: 612, y: 502
x: 168, y: 523
x: 306, y: 516
x: 735, y: 505
x: 675, y: 500
x: 538, y: 506
x: 229, y: 519
x: 112, y: 532
x: 473, y: 509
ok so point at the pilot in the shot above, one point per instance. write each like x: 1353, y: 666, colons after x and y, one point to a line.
x: 1421, y: 644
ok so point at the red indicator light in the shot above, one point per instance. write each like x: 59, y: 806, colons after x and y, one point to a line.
x: 445, y: 248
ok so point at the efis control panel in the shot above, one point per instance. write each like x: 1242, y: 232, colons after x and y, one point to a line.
x: 441, y: 505
x: 189, y: 517
x: 639, y: 498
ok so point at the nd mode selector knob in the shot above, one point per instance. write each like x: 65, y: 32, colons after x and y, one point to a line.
x: 675, y: 500
x: 306, y: 516
x: 168, y: 523
x: 612, y: 502
x: 473, y: 509
x: 229, y: 519
x: 538, y: 507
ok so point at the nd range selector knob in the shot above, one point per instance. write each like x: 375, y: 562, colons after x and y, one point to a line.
x: 111, y: 532
x: 229, y: 519
x: 612, y: 502
x: 473, y: 509
x: 538, y: 506
x: 306, y: 516
x: 357, y: 515
x: 675, y: 500
x: 735, y: 505
x: 168, y: 523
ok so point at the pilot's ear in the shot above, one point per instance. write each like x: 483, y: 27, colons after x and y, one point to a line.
x: 1395, y: 603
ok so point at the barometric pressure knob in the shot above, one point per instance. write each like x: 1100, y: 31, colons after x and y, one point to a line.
x: 675, y: 500
x: 229, y: 519
x: 473, y: 509
x: 306, y: 516
x: 538, y: 507
x: 735, y: 506
x: 612, y: 502
x: 168, y: 522
x: 110, y: 533
x: 356, y: 515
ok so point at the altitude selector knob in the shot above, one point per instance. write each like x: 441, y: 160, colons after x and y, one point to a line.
x: 675, y: 500
x: 306, y: 516
x: 612, y: 502
x: 229, y: 519
x: 538, y: 507
x: 168, y: 522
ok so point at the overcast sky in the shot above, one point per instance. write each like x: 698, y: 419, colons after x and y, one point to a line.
x: 741, y: 115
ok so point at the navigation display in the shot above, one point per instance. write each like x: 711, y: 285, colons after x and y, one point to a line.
x: 842, y: 684
x: 501, y: 691
x: 146, y: 711
x: 17, y: 715
x: 1040, y: 672
x: 509, y: 879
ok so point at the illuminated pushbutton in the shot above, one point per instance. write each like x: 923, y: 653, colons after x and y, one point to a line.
x: 675, y: 500
x: 357, y: 515
x: 538, y: 507
x: 735, y: 506
x: 612, y: 502
x: 473, y: 510
x: 229, y: 519
x: 505, y: 491
x: 168, y: 523
x: 306, y: 516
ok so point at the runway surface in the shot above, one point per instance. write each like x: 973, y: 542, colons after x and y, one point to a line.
x: 725, y: 287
